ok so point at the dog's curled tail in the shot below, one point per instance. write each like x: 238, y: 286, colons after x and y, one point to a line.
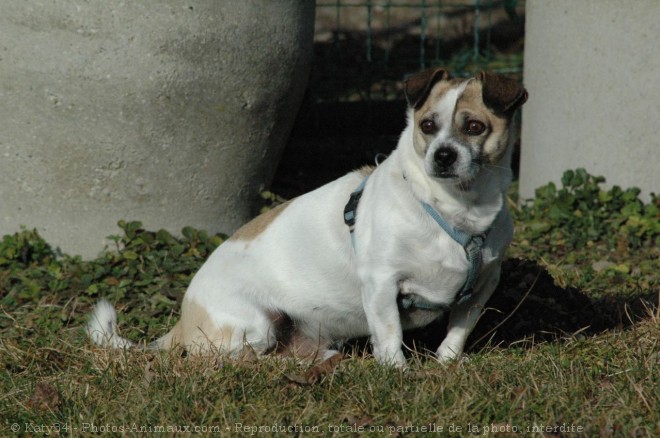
x: 102, y: 327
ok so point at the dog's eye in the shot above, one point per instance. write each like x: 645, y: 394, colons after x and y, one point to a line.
x: 428, y: 127
x: 474, y: 127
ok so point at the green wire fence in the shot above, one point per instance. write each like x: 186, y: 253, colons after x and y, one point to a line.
x: 366, y: 47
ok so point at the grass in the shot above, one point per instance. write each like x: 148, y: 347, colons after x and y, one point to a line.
x: 575, y: 348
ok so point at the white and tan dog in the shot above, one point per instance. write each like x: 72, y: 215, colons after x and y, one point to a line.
x: 429, y: 231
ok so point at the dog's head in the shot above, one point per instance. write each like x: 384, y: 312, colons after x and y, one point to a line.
x: 461, y: 125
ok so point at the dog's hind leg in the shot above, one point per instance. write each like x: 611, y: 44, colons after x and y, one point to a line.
x: 225, y: 329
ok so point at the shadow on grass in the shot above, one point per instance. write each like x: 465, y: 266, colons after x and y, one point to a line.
x: 528, y: 307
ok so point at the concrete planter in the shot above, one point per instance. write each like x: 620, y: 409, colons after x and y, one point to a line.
x: 161, y: 111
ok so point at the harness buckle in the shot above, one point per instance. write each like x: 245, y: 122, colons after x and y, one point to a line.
x: 475, y: 244
x: 351, y: 206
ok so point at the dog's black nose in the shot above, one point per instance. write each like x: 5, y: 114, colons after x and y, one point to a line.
x: 445, y: 157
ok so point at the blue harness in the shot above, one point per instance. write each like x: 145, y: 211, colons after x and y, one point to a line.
x: 472, y: 244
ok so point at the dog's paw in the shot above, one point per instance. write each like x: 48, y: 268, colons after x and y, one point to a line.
x: 447, y: 353
x: 397, y: 360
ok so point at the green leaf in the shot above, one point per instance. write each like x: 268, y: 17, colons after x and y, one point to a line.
x: 177, y: 250
x: 130, y: 255
x: 622, y: 268
x: 166, y: 237
x: 93, y: 289
x: 581, y: 177
x: 216, y: 241
x: 188, y: 233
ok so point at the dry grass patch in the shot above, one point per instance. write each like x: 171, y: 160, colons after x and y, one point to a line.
x: 605, y: 385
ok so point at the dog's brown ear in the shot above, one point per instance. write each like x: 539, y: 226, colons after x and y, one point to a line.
x: 418, y: 86
x: 501, y: 94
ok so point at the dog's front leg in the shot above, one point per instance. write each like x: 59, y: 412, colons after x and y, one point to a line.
x: 464, y: 316
x: 380, y: 307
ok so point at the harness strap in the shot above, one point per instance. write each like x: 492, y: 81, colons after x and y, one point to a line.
x: 472, y: 245
x: 417, y: 302
x: 350, y: 210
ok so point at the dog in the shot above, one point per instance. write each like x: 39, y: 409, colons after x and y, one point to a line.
x: 373, y: 253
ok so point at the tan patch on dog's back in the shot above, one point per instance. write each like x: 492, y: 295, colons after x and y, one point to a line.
x: 257, y: 225
x: 365, y: 171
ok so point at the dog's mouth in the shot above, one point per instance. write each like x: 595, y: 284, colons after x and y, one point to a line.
x: 463, y: 180
x: 451, y: 176
x: 457, y: 173
x: 446, y: 175
x: 464, y: 184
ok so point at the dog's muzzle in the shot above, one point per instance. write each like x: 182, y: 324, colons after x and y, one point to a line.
x: 444, y: 158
